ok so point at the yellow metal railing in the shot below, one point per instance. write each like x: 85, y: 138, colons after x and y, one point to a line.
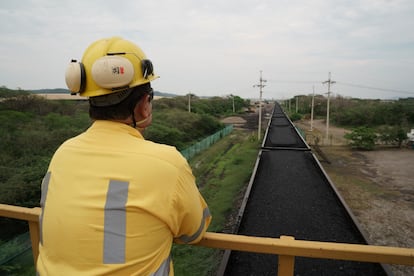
x: 286, y: 247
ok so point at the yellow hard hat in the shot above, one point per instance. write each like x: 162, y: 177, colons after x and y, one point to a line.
x: 109, y: 65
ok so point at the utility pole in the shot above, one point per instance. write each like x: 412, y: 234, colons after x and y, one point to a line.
x: 297, y: 102
x: 232, y: 96
x: 329, y: 82
x: 189, y: 101
x: 313, y: 104
x: 260, y: 85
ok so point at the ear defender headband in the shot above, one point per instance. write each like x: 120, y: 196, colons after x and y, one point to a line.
x: 112, y: 71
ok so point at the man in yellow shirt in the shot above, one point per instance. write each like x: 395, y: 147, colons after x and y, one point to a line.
x: 113, y: 202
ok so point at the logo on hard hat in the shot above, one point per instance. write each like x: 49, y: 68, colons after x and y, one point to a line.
x: 118, y: 70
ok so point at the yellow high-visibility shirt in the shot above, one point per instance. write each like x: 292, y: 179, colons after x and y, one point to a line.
x: 112, y: 203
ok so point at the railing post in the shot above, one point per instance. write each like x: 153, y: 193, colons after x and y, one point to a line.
x: 286, y: 265
x: 34, y: 237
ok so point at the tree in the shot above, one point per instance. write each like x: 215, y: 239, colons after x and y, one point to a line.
x: 295, y: 117
x: 362, y: 138
x: 392, y: 135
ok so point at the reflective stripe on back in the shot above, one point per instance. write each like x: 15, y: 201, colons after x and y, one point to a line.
x: 115, y: 223
x: 164, y: 269
x: 45, y: 187
x: 188, y: 239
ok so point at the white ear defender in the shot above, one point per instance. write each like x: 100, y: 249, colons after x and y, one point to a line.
x: 109, y: 72
x: 108, y: 66
x: 75, y: 76
x: 112, y: 72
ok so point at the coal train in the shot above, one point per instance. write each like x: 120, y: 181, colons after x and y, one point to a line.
x: 290, y: 194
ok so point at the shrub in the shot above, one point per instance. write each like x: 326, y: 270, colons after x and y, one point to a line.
x: 295, y: 117
x: 362, y: 138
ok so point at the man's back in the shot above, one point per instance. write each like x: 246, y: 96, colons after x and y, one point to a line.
x: 113, y: 202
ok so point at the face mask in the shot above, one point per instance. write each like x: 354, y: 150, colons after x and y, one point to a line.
x: 136, y: 124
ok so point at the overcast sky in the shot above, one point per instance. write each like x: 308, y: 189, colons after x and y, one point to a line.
x: 219, y: 47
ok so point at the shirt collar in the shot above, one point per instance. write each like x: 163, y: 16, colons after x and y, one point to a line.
x: 115, y: 126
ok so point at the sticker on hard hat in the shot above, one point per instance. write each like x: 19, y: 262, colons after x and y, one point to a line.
x: 112, y: 72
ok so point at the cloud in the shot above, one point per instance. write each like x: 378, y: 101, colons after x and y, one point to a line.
x: 218, y: 47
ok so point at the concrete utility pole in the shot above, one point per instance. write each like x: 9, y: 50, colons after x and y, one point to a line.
x: 297, y: 103
x: 234, y: 110
x: 313, y: 104
x: 189, y: 101
x: 329, y: 82
x: 260, y: 85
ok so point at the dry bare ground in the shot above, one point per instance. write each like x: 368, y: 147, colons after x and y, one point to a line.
x: 377, y: 185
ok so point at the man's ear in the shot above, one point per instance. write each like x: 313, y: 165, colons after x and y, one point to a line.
x: 143, y: 107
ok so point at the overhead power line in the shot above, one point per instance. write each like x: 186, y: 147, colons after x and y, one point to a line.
x: 286, y: 81
x: 350, y: 84
x: 375, y: 88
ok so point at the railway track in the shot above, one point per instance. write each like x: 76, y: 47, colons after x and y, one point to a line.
x: 290, y: 194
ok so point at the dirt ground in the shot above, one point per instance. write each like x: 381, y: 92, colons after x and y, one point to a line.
x: 377, y: 185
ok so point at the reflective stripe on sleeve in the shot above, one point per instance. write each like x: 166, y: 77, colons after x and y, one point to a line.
x: 188, y: 239
x: 115, y: 223
x: 45, y: 187
x: 164, y: 269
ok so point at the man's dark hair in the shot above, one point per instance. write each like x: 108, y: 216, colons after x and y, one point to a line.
x: 100, y: 110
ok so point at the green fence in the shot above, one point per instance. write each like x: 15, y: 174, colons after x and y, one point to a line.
x: 206, y: 142
x: 13, y: 248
